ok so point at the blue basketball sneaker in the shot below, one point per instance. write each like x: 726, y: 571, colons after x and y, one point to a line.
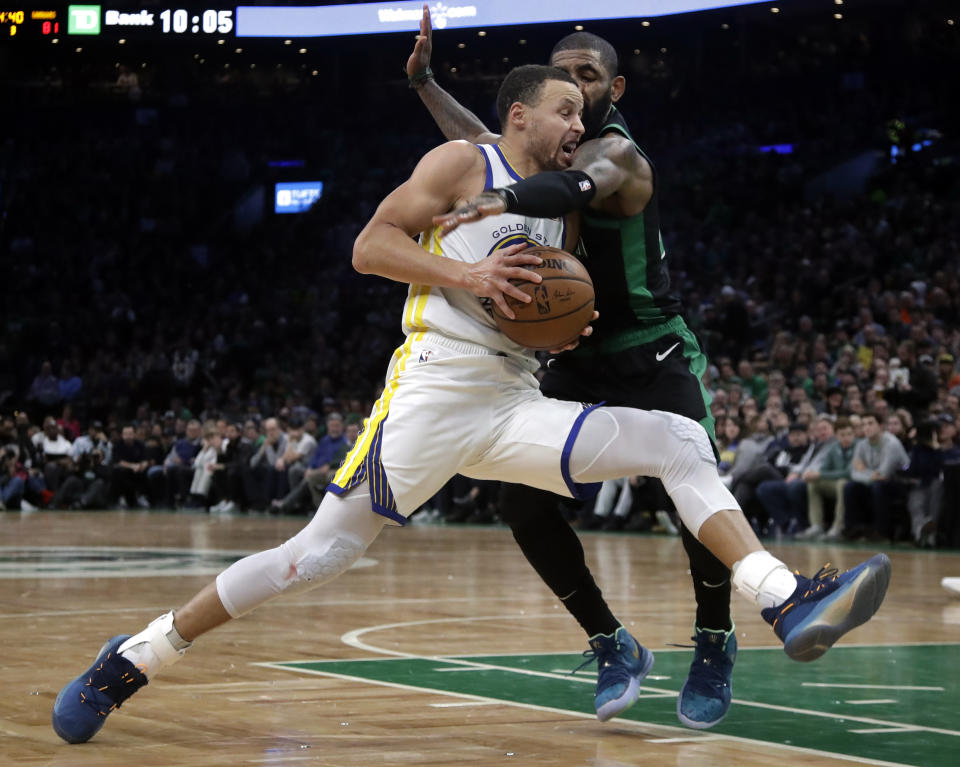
x: 827, y: 606
x: 83, y: 705
x: 705, y: 696
x: 622, y: 663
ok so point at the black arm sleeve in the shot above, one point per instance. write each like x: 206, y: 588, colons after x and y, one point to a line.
x: 549, y: 194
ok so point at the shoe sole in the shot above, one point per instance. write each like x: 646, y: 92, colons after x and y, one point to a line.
x: 613, y: 707
x: 694, y: 723
x: 842, y: 611
x: 55, y: 719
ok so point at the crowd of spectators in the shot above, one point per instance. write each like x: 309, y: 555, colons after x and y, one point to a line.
x: 174, y: 461
x: 175, y: 344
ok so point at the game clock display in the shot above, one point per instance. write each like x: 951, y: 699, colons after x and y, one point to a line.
x: 208, y: 22
x: 114, y: 21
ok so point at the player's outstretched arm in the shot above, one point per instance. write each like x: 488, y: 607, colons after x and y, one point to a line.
x: 602, y: 169
x: 454, y: 120
x: 443, y: 177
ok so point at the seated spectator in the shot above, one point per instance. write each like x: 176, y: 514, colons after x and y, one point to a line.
x: 204, y: 465
x: 613, y: 504
x: 947, y: 437
x: 474, y: 500
x: 834, y: 402
x: 924, y: 479
x: 896, y: 426
x: 30, y: 462
x: 754, y: 385
x: 300, y: 449
x: 319, y: 470
x: 868, y: 495
x: 857, y: 423
x: 13, y: 479
x: 91, y: 454
x: 262, y: 480
x: 68, y: 424
x: 351, y: 432
x: 827, y: 483
x: 230, y: 468
x: 170, y: 482
x: 128, y: 477
x: 728, y: 442
x: 785, y: 500
x: 748, y: 410
x: 53, y: 453
x: 947, y: 373
x: 751, y: 467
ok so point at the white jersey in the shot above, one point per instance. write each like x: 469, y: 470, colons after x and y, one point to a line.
x: 457, y: 313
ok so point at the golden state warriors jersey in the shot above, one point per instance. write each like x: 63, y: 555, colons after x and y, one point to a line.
x: 458, y: 313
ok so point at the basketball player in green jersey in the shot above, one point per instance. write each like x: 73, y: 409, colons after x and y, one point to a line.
x: 641, y: 354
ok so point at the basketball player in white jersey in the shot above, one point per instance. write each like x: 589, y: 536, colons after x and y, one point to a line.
x: 460, y: 397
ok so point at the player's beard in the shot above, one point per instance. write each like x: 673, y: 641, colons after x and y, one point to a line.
x: 546, y: 154
x: 595, y: 115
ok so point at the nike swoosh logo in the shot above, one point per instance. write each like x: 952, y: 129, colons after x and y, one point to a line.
x: 661, y: 356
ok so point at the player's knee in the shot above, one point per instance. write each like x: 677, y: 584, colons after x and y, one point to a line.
x: 690, y: 438
x: 317, y: 559
x: 336, y: 558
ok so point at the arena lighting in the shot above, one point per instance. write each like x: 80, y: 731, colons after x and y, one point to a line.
x: 404, y: 15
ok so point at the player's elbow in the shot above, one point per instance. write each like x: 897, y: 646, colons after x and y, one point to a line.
x: 362, y: 255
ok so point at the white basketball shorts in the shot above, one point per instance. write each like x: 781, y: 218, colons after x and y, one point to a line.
x: 450, y: 407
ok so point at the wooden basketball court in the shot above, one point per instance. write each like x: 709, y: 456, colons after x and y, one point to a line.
x: 443, y: 648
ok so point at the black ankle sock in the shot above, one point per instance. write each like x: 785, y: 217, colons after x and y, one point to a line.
x: 713, y: 605
x: 587, y: 605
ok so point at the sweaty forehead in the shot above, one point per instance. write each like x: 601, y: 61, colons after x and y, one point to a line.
x: 578, y: 59
x: 557, y: 90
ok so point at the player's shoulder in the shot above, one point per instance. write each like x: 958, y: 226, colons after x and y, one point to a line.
x: 621, y: 145
x: 453, y: 158
x: 458, y: 150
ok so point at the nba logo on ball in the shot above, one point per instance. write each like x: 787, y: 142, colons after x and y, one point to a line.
x: 542, y: 297
x: 561, y: 305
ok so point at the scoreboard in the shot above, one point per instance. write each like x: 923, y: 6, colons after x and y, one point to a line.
x: 38, y: 20
x: 129, y: 21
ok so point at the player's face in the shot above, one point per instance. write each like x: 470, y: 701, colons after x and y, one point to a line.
x: 594, y: 82
x: 555, y: 125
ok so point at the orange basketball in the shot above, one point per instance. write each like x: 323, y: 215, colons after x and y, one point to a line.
x: 562, y: 303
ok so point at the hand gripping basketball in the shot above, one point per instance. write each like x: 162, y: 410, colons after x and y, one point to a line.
x: 557, y: 306
x: 498, y: 275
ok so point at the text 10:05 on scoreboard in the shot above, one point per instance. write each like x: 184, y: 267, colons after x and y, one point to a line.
x: 207, y: 22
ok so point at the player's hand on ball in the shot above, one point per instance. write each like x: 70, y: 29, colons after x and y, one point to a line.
x: 490, y: 278
x: 483, y: 205
x: 420, y: 58
x: 587, y: 331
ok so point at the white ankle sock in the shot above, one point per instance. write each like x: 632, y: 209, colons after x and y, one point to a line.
x: 159, y: 645
x: 763, y: 579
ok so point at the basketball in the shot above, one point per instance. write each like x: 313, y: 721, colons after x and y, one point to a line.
x: 562, y: 303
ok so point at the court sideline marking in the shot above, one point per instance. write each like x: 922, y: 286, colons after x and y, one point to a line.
x: 685, y: 734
